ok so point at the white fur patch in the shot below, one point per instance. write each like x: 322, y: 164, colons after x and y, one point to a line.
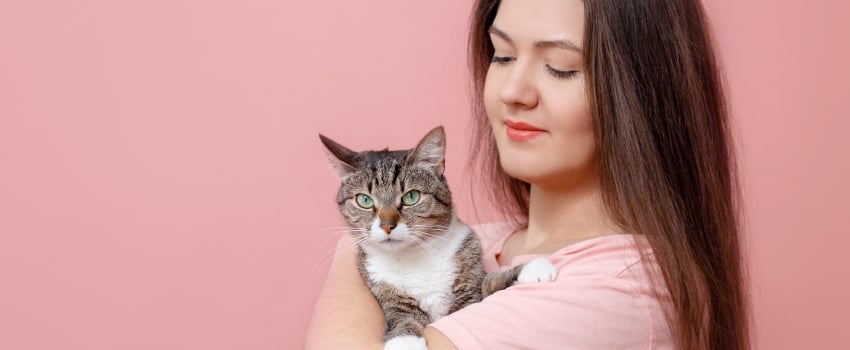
x: 377, y: 234
x: 406, y: 342
x: 426, y: 273
x: 537, y: 270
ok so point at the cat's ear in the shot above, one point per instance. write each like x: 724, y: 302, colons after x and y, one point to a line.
x: 339, y: 157
x: 431, y: 151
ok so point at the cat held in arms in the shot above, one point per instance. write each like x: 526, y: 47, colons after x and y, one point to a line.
x: 418, y: 259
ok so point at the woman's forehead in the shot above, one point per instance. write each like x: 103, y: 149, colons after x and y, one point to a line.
x: 529, y: 21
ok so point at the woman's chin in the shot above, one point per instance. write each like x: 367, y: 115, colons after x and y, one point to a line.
x: 523, y: 175
x: 544, y: 177
x: 524, y: 171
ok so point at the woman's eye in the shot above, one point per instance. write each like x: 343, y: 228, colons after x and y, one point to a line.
x: 364, y: 201
x: 501, y: 59
x: 561, y: 74
x: 411, y: 197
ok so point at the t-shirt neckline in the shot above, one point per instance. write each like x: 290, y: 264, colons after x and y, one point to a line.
x: 522, y: 258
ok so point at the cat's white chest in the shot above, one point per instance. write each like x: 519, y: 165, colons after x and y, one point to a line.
x: 427, y: 275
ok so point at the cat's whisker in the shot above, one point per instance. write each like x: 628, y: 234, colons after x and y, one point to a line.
x: 328, y: 233
x: 342, y: 229
x: 423, y: 242
x: 337, y: 230
x: 430, y: 235
x: 441, y: 227
x: 317, y: 240
x: 321, y: 237
x: 334, y: 227
x: 428, y: 248
x: 327, y: 256
x: 420, y: 229
x: 420, y: 244
x: 340, y: 249
x: 429, y: 232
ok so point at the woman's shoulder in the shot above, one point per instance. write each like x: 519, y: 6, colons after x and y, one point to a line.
x: 622, y: 255
x: 602, y: 288
x: 613, y: 261
x: 615, y: 255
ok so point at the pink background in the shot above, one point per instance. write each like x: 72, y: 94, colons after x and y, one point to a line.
x: 162, y: 185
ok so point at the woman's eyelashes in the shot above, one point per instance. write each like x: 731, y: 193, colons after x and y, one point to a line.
x: 557, y: 73
x: 561, y: 74
x: 501, y: 59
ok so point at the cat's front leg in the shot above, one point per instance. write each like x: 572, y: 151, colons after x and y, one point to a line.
x: 537, y: 270
x: 405, y: 323
x: 406, y: 342
x: 496, y: 281
x: 405, y: 319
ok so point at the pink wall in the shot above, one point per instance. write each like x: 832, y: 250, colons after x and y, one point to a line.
x: 787, y: 64
x: 162, y: 185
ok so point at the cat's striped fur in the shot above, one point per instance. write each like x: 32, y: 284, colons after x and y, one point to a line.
x: 419, y: 260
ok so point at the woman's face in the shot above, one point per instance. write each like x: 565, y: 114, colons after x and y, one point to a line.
x: 534, y: 92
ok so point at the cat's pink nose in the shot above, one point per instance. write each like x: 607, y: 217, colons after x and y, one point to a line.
x: 388, y: 227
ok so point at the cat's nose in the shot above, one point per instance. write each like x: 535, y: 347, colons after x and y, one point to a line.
x: 388, y: 227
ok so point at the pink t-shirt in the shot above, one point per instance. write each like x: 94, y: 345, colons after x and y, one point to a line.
x: 601, y: 299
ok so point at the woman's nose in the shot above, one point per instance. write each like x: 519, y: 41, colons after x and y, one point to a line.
x: 518, y: 89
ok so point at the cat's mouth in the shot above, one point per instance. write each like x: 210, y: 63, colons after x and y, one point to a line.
x: 391, y: 242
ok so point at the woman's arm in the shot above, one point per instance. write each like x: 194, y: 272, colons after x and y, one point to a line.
x: 347, y: 316
x: 437, y: 341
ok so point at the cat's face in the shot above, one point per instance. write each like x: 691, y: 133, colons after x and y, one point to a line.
x: 393, y: 200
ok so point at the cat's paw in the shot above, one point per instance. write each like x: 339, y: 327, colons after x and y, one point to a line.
x: 537, y: 270
x: 406, y: 342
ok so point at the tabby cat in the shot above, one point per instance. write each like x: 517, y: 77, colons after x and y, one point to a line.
x: 420, y: 262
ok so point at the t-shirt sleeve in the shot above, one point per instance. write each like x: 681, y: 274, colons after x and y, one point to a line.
x: 587, y: 312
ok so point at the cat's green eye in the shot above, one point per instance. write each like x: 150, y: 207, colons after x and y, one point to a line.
x: 411, y: 197
x: 364, y: 201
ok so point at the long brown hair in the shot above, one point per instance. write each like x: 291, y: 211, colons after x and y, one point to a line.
x: 666, y: 156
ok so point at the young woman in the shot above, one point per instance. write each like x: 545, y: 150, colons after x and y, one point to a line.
x: 603, y: 130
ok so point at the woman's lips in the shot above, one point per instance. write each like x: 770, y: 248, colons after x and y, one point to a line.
x: 519, y: 131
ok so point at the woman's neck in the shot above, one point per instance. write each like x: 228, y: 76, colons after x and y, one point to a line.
x: 560, y: 216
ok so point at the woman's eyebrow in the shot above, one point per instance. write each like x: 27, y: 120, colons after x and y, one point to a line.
x: 497, y: 32
x: 560, y: 44
x: 543, y: 44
